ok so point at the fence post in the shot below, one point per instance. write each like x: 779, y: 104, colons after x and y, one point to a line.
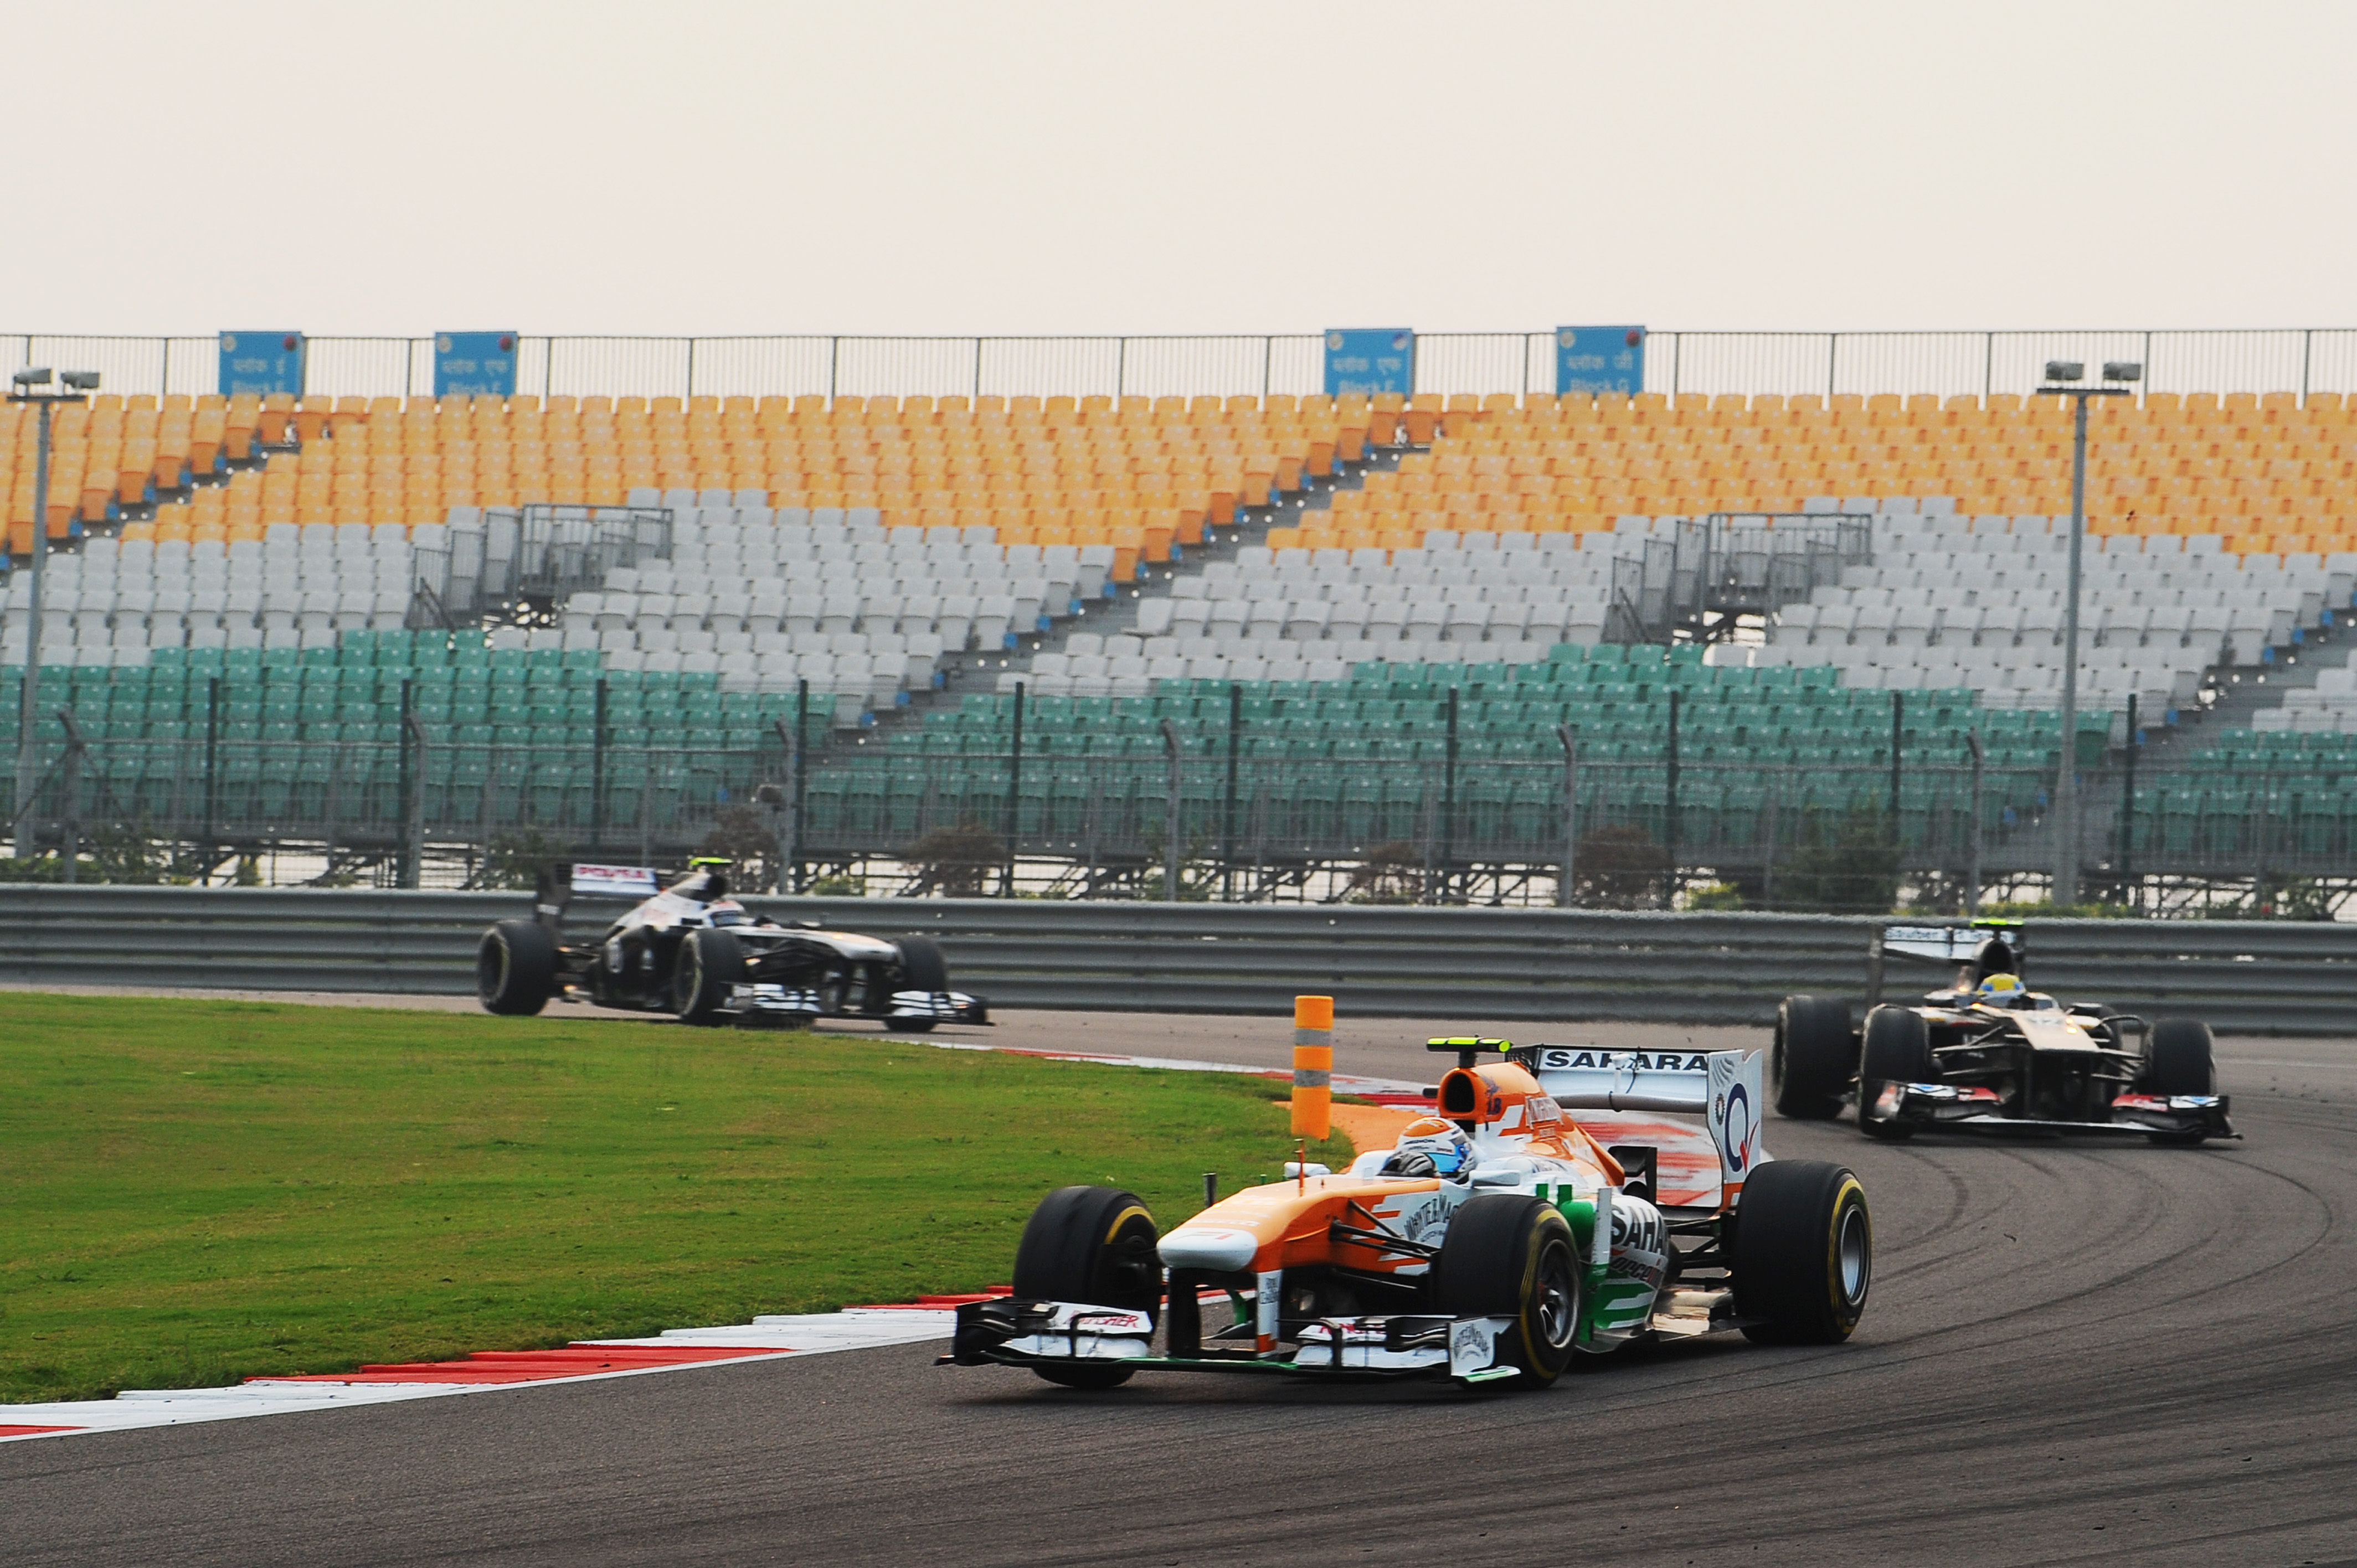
x: 1972, y: 862
x: 1569, y: 877
x: 1448, y: 802
x: 800, y: 750
x: 413, y: 831
x: 1670, y: 811
x: 1120, y: 369
x: 405, y: 869
x: 1170, y: 829
x: 833, y: 355
x: 690, y: 370
x: 69, y: 800
x: 1897, y: 738
x: 212, y: 752
x: 2127, y: 811
x: 1768, y: 855
x: 597, y: 769
x: 1228, y: 815
x: 790, y: 841
x: 1013, y: 793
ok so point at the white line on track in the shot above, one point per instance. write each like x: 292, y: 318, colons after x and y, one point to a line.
x: 781, y: 1338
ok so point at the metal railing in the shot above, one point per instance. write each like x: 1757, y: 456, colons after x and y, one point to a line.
x: 2299, y: 360
x: 1565, y: 966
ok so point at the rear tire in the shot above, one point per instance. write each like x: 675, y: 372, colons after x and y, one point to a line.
x: 1509, y: 1256
x: 1801, y: 1257
x: 710, y: 961
x: 515, y: 968
x: 1897, y: 1049
x: 2179, y: 1060
x: 1095, y: 1245
x: 1810, y: 1063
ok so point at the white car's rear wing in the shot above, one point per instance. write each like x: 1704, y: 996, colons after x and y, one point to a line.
x: 1724, y: 1088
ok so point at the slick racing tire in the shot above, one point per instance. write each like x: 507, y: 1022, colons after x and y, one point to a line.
x: 2178, y: 1060
x: 1801, y: 1256
x: 1809, y: 1064
x: 1897, y: 1049
x: 922, y: 968
x: 515, y: 968
x: 1511, y: 1256
x: 710, y: 961
x: 1095, y: 1245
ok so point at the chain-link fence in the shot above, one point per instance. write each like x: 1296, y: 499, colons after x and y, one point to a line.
x: 1258, y: 820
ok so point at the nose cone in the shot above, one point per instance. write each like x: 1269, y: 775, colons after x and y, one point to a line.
x: 1209, y: 1247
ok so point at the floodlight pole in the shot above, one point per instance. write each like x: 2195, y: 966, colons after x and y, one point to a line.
x: 29, y: 712
x: 2066, y: 780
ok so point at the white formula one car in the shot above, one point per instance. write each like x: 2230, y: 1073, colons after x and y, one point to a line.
x: 692, y: 949
x: 1497, y: 1241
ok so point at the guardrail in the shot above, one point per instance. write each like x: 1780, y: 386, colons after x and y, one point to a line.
x: 1476, y: 965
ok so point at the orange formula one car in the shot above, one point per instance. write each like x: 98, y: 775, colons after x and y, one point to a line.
x: 1500, y: 1238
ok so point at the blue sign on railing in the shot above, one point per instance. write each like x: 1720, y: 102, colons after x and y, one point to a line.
x: 1599, y: 359
x: 262, y: 363
x: 474, y: 364
x: 1370, y: 359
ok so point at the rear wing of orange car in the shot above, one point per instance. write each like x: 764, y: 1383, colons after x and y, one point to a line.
x: 1724, y: 1088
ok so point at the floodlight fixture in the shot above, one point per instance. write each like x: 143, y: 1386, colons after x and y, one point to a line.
x: 2065, y: 370
x: 33, y: 376
x: 79, y: 380
x: 2123, y: 370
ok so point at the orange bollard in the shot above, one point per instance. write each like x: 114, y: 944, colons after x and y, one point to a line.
x: 1313, y: 1066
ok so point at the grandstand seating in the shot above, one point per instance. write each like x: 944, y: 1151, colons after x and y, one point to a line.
x: 2264, y: 473
x: 117, y: 451
x: 860, y: 546
x: 1141, y: 474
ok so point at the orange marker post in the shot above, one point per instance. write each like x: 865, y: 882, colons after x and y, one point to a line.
x: 1313, y: 1066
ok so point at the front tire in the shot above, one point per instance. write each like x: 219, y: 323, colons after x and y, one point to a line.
x: 1897, y: 1049
x: 1801, y: 1257
x: 1509, y: 1256
x: 515, y: 968
x: 1809, y: 1063
x: 710, y: 961
x: 1094, y: 1245
x: 2179, y: 1059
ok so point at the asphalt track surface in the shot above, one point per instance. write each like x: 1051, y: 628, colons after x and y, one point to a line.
x: 2074, y: 1353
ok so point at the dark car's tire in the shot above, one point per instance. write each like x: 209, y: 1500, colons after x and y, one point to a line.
x: 1095, y: 1245
x: 1809, y: 1064
x: 710, y: 961
x: 515, y: 968
x: 1801, y: 1256
x: 2178, y: 1059
x: 923, y: 967
x: 1511, y: 1256
x: 1897, y: 1048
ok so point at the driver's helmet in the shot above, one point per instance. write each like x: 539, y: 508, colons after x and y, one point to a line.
x: 2002, y: 991
x: 1429, y: 1146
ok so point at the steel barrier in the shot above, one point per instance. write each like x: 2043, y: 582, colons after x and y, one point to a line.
x: 1476, y: 965
x: 1971, y: 363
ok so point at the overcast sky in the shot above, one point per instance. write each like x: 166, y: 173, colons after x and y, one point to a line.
x: 593, y: 167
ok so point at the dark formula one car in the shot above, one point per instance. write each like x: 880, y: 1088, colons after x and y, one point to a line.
x: 1985, y: 1052
x: 692, y: 949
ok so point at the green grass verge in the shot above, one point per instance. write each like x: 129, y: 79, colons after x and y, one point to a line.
x: 197, y: 1192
